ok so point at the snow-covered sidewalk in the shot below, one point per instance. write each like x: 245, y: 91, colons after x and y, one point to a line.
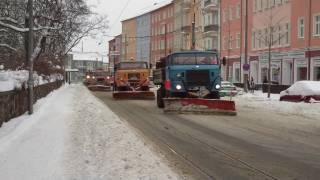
x: 72, y: 135
x: 273, y: 104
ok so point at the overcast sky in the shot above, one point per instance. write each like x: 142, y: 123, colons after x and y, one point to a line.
x: 113, y: 8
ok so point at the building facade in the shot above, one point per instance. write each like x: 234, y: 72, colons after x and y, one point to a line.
x: 114, y: 52
x: 305, y: 22
x: 231, y: 40
x: 182, y: 24
x: 128, y: 45
x: 292, y: 37
x: 143, y: 39
x: 162, y: 36
x: 211, y: 24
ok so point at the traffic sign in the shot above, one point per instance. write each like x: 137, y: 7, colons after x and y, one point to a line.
x: 246, y: 67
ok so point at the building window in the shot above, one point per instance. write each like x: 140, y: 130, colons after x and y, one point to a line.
x: 254, y: 46
x: 226, y: 43
x: 316, y: 73
x: 316, y: 25
x: 230, y: 13
x: 259, y: 39
x: 287, y: 34
x: 301, y: 28
x: 238, y: 11
x: 225, y: 15
x: 302, y: 73
x: 279, y: 35
x: 238, y: 40
x: 230, y: 42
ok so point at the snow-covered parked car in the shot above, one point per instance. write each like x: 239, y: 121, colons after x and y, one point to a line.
x: 307, y: 91
x: 228, y: 89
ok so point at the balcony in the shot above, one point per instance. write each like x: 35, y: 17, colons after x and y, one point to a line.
x: 186, y: 29
x: 210, y: 5
x: 186, y: 5
x: 211, y: 28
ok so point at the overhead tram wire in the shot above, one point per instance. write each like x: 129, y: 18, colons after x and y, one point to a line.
x: 121, y: 13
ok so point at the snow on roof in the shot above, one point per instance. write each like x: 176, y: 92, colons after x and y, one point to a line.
x: 150, y: 9
x: 87, y: 56
x: 304, y: 88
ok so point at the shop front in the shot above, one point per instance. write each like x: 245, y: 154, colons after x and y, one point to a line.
x: 316, y: 69
x: 301, y: 70
x: 275, y: 71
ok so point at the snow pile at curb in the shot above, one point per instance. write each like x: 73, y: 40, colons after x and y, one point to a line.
x: 104, y: 147
x: 10, y: 80
x: 31, y: 147
x: 260, y: 100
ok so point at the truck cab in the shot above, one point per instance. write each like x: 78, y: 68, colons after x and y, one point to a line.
x: 188, y: 74
x: 132, y: 76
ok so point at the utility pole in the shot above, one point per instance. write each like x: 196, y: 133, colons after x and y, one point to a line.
x: 29, y: 55
x: 309, y: 39
x: 193, y: 46
x: 246, y: 49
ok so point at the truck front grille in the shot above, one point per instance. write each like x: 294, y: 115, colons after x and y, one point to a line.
x: 134, y: 76
x: 198, y: 77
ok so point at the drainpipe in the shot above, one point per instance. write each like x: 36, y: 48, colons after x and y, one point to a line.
x: 309, y: 40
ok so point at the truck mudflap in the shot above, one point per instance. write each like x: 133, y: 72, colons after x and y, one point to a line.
x: 133, y: 95
x: 199, y: 106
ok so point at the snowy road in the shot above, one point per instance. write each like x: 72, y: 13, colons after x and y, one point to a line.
x: 72, y: 135
x: 268, y: 139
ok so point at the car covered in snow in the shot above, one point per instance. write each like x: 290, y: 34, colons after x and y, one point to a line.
x: 307, y: 91
x: 228, y: 89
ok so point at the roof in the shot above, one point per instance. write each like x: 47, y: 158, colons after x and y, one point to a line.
x: 150, y: 9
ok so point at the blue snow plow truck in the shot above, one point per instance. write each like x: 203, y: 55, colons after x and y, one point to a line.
x: 189, y: 82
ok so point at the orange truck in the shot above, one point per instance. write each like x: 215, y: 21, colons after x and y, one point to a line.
x: 132, y: 81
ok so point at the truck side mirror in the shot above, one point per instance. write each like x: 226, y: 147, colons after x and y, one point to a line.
x: 224, y: 61
x: 150, y: 65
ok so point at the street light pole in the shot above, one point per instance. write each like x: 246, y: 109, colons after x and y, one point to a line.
x: 29, y: 55
x: 246, y: 49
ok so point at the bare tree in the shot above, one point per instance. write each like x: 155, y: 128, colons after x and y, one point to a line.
x: 55, y: 26
x: 58, y: 26
x: 270, y: 36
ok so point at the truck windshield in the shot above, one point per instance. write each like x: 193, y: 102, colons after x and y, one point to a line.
x: 191, y: 59
x: 132, y: 65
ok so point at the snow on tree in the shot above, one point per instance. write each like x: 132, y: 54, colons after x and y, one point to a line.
x: 58, y: 26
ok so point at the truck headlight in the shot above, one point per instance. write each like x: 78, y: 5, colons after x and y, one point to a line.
x: 218, y: 86
x: 88, y: 77
x: 179, y: 75
x: 93, y: 77
x: 178, y: 87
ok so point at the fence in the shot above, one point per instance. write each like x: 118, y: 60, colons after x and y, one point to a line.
x: 15, y: 103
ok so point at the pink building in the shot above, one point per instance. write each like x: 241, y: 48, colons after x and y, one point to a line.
x: 231, y: 46
x: 306, y: 38
x: 294, y: 39
x: 162, y: 27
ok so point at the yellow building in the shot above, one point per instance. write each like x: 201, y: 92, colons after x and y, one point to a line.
x: 128, y: 45
x: 186, y: 12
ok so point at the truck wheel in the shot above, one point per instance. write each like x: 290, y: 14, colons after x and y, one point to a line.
x: 160, y: 102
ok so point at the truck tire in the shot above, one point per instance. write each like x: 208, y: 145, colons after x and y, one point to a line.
x: 160, y: 102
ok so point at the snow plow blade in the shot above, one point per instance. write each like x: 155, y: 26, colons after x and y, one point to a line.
x: 133, y: 95
x: 99, y: 88
x: 199, y: 106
